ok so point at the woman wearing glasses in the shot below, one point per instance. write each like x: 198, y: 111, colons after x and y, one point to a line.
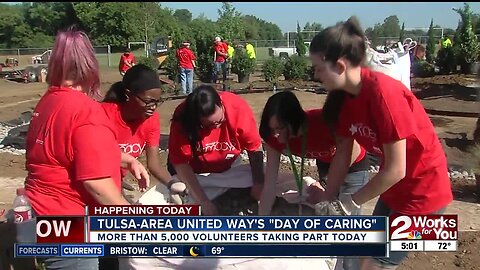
x: 131, y: 106
x: 207, y: 134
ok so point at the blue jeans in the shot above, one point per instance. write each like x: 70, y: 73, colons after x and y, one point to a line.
x: 220, y: 67
x: 353, y: 182
x: 186, y: 78
x: 396, y: 257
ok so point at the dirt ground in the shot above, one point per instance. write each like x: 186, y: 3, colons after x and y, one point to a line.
x: 445, y: 92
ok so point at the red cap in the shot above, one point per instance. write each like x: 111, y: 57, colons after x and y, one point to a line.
x: 20, y: 191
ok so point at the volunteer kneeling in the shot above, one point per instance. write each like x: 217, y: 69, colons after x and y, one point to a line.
x: 383, y: 116
x: 131, y: 106
x: 207, y: 134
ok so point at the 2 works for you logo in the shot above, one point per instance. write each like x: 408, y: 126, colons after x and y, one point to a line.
x: 423, y: 227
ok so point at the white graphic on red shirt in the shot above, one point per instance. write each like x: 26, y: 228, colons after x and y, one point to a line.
x: 321, y: 154
x: 377, y: 150
x: 363, y: 131
x: 218, y: 146
x: 133, y: 148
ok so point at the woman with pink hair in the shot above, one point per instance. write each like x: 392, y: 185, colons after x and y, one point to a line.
x: 72, y: 153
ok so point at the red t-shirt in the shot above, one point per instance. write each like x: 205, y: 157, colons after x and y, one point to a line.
x: 221, y: 146
x: 386, y: 111
x: 185, y: 57
x: 133, y: 137
x: 320, y: 142
x: 220, y: 47
x: 126, y: 58
x: 69, y: 140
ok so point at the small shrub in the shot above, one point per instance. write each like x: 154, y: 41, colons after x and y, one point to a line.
x: 171, y: 65
x: 204, y: 61
x: 296, y: 68
x: 241, y: 64
x: 423, y: 69
x: 272, y: 69
x: 150, y: 62
x: 446, y: 60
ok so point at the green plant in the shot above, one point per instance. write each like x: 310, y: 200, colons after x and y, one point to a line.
x: 300, y: 45
x: 446, y: 60
x: 272, y: 69
x: 423, y: 69
x: 431, y: 43
x: 466, y: 46
x: 296, y: 68
x: 241, y: 64
x: 204, y: 69
x: 171, y: 65
x: 150, y: 62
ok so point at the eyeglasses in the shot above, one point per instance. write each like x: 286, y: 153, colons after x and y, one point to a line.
x: 216, y: 123
x: 151, y: 102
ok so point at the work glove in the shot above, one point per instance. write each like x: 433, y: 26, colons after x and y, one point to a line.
x: 344, y: 206
x: 177, y: 190
x: 293, y: 196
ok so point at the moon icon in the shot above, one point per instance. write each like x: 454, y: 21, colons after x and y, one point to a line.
x: 192, y: 251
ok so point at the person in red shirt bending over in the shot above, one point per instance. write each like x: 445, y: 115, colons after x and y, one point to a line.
x: 221, y: 56
x: 285, y: 127
x: 186, y: 62
x: 72, y: 155
x: 207, y: 134
x: 383, y: 116
x: 131, y: 107
x: 127, y: 60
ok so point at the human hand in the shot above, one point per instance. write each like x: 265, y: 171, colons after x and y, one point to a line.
x: 344, y: 206
x: 140, y: 173
x: 316, y: 193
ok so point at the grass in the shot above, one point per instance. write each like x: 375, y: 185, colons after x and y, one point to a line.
x: 24, y: 60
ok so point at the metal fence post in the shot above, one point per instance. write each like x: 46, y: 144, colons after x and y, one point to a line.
x: 108, y: 56
x: 18, y: 53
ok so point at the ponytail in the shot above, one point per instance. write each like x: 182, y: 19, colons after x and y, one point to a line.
x: 116, y: 94
x: 342, y: 40
x: 332, y: 107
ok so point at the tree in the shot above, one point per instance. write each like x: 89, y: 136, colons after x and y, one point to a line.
x: 466, y: 45
x: 118, y: 26
x: 49, y: 17
x: 315, y: 27
x: 391, y: 26
x: 10, y: 19
x: 402, y: 32
x: 183, y: 15
x: 300, y: 45
x: 259, y: 29
x: 374, y: 34
x: 230, y: 22
x: 430, y: 50
x: 148, y: 10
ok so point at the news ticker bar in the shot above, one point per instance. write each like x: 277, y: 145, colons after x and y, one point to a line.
x: 245, y: 223
x: 109, y: 250
x: 423, y: 245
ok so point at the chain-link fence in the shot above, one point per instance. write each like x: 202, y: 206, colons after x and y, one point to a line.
x: 26, y: 56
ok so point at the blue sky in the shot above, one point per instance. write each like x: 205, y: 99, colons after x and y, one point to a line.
x: 286, y: 14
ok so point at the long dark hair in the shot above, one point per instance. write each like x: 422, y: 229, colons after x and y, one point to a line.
x: 332, y: 107
x: 200, y: 103
x: 342, y: 40
x: 137, y: 79
x: 286, y: 108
